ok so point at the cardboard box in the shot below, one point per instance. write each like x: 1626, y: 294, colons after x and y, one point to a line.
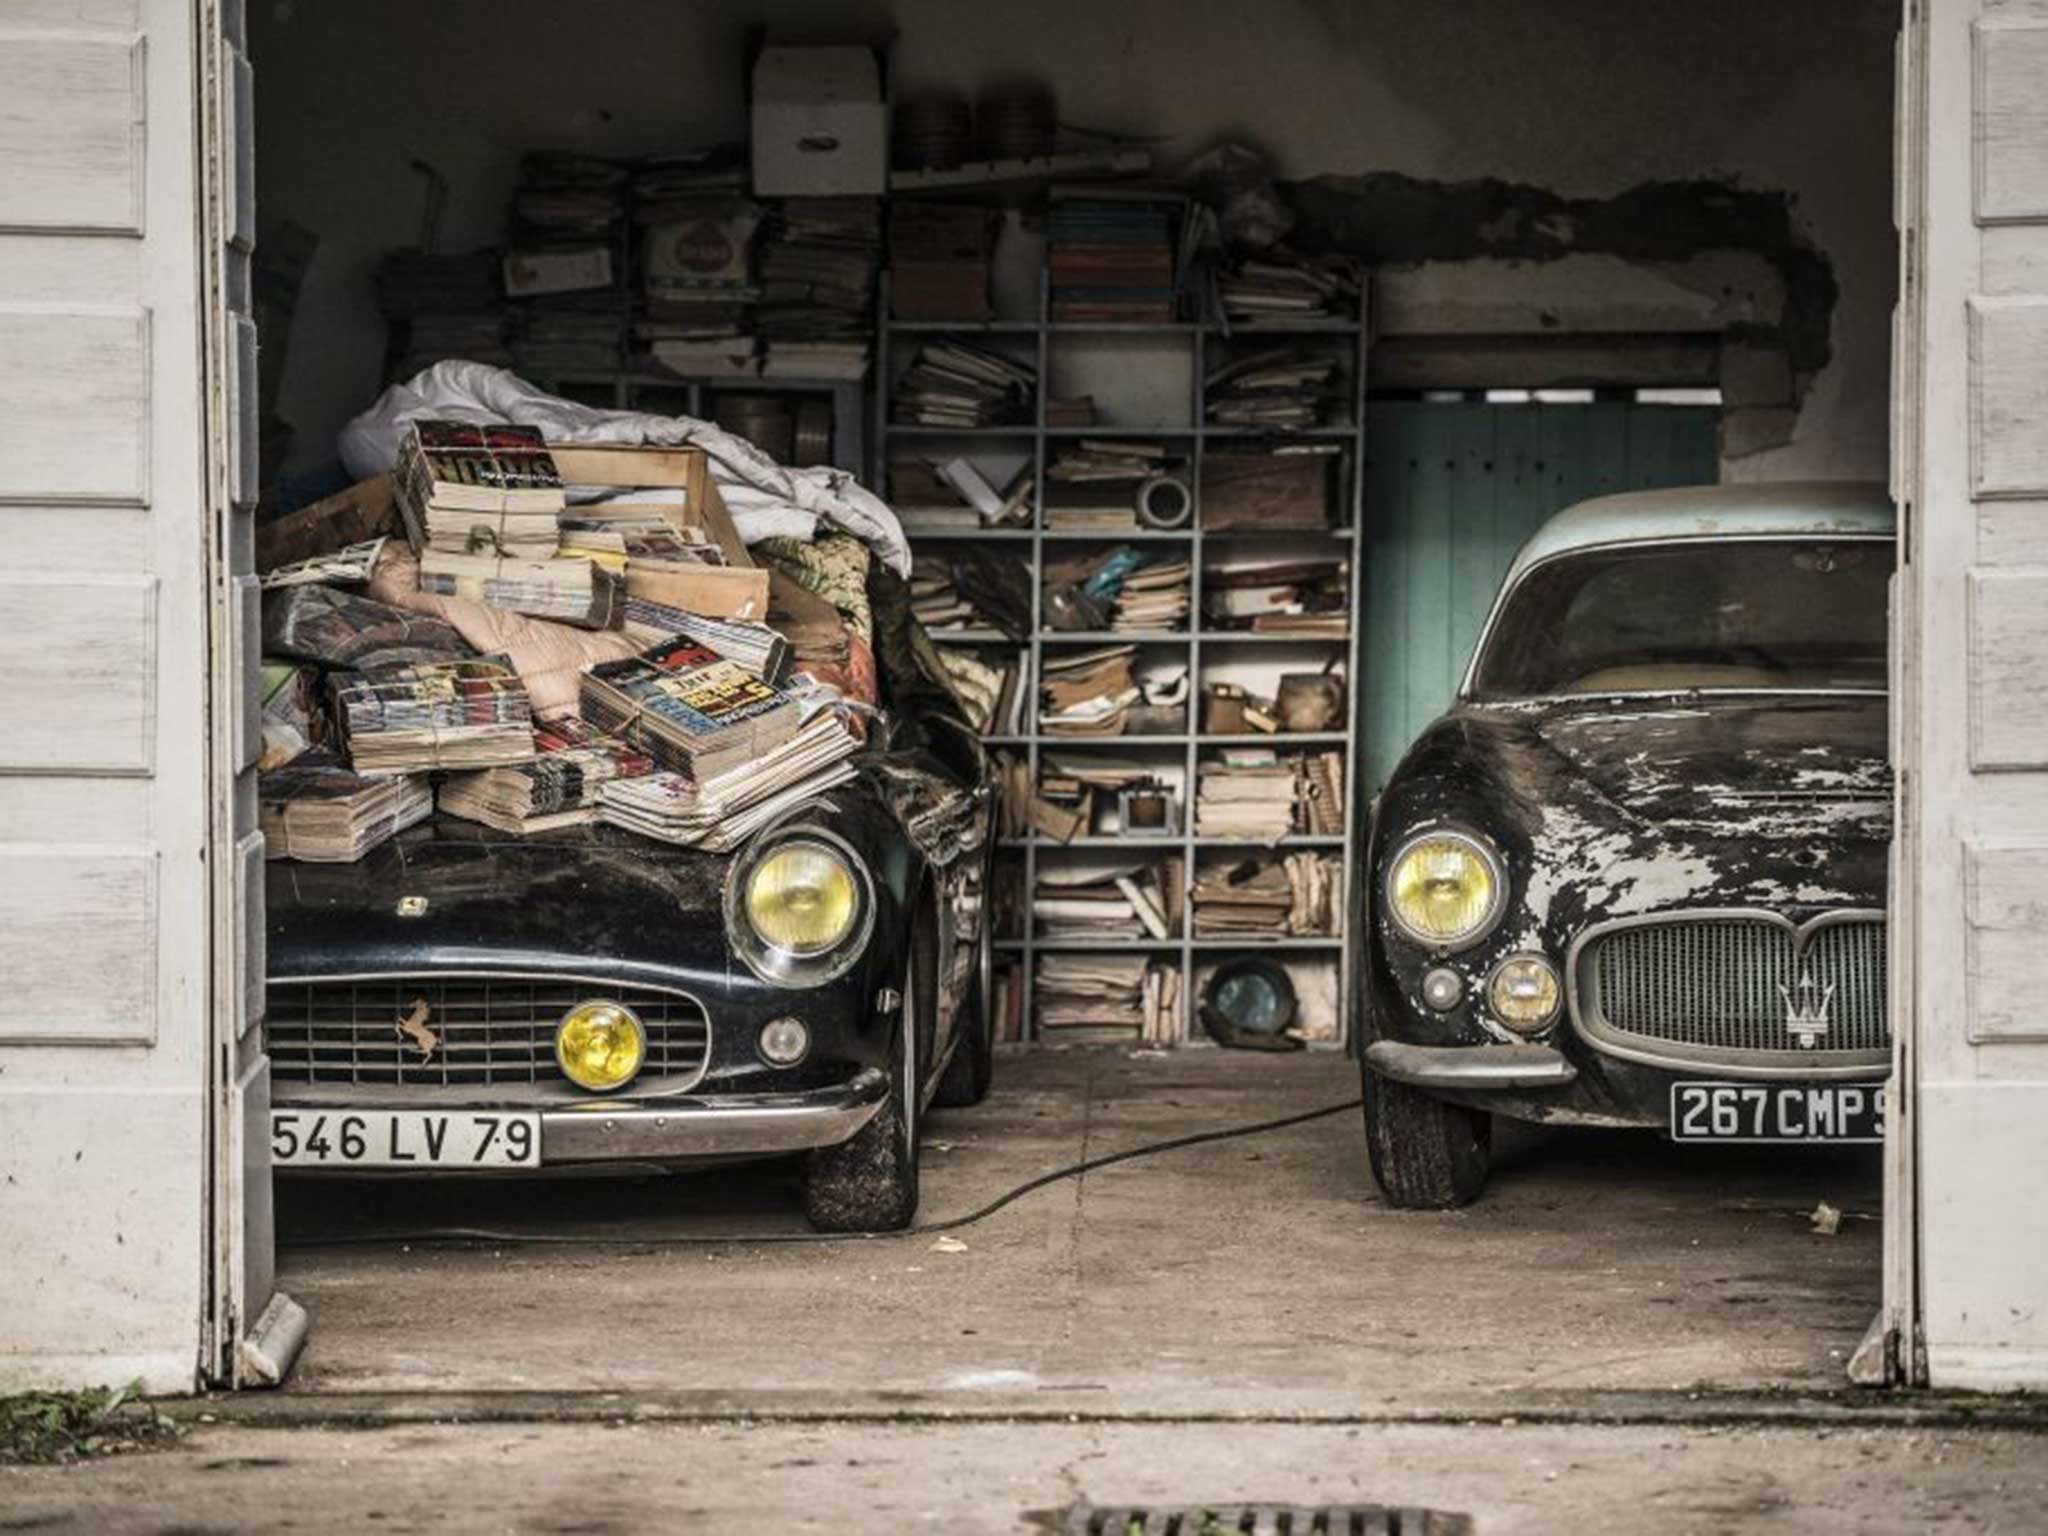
x: 366, y: 510
x: 820, y: 123
x: 529, y: 274
x: 736, y: 590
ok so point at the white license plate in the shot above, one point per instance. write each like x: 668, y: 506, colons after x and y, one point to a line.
x: 403, y: 1138
x: 1752, y: 1112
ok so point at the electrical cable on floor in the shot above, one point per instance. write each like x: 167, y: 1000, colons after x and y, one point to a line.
x: 425, y: 1235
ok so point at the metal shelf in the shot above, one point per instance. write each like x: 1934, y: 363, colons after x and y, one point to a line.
x: 1043, y: 344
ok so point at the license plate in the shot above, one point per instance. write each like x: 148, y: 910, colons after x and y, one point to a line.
x: 1775, y: 1112
x: 403, y: 1138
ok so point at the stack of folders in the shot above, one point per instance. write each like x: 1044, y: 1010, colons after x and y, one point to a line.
x: 952, y: 384
x: 465, y: 488
x: 1089, y: 997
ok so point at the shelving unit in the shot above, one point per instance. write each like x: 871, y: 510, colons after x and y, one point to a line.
x: 1044, y: 344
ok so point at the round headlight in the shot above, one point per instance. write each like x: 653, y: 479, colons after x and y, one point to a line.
x: 600, y: 1045
x: 802, y: 899
x: 1446, y: 889
x: 1524, y: 993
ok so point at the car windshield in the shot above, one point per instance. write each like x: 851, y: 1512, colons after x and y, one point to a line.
x: 1697, y: 615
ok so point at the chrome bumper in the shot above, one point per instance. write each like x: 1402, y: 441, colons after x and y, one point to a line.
x: 686, y: 1128
x: 1470, y: 1067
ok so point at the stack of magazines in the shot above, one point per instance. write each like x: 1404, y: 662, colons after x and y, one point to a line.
x: 761, y: 650
x: 575, y: 591
x: 470, y: 489
x: 559, y: 788
x: 450, y: 714
x: 693, y: 711
x: 721, y: 811
x: 318, y: 810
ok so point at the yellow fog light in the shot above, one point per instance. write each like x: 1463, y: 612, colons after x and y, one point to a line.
x: 1446, y: 889
x: 600, y: 1046
x: 1524, y: 993
x: 802, y: 898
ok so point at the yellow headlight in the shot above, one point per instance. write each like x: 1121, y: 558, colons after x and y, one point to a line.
x: 802, y: 899
x: 1524, y: 993
x: 600, y: 1046
x: 1445, y: 889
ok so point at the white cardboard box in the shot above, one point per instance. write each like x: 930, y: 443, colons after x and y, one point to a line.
x: 821, y: 127
x: 528, y: 273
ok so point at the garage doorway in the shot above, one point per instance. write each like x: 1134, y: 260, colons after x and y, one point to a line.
x: 1453, y: 487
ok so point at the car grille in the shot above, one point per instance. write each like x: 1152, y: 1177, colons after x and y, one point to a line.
x: 492, y: 1030
x: 1735, y: 989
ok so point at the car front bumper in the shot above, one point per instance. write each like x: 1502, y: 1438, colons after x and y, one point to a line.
x: 1469, y: 1067
x: 688, y: 1128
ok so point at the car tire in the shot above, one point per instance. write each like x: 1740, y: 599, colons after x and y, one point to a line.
x: 1426, y: 1155
x: 868, y: 1183
x: 973, y: 1066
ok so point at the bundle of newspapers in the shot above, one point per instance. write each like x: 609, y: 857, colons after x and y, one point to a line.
x: 465, y: 488
x: 559, y: 788
x: 318, y: 809
x: 721, y: 811
x: 448, y: 714
x: 761, y: 650
x: 692, y: 710
x: 575, y: 591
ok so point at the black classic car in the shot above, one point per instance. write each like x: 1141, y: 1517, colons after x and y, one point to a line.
x: 464, y: 1000
x: 1635, y: 875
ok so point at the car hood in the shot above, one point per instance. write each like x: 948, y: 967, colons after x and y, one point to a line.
x: 1611, y: 808
x: 450, y: 894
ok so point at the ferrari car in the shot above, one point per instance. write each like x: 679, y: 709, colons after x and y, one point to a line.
x: 465, y: 1001
x: 1635, y: 875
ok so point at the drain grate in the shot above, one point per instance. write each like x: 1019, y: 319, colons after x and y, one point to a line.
x: 1260, y: 1520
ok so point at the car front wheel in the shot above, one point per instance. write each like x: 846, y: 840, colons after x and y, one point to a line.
x: 1425, y: 1154
x: 868, y: 1183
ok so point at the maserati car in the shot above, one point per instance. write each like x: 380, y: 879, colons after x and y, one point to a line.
x: 462, y: 1000
x: 1635, y: 875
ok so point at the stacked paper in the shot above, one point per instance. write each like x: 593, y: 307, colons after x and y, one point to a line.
x: 721, y: 812
x: 449, y: 714
x: 1247, y: 794
x: 317, y: 809
x: 557, y: 789
x: 693, y: 711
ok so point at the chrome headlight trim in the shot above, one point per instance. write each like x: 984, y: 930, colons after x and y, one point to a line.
x: 1482, y: 847
x: 780, y: 967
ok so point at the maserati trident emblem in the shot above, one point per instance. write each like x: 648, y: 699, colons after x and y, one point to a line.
x: 1806, y: 1009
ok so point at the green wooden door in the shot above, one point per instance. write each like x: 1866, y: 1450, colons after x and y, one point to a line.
x: 1452, y: 490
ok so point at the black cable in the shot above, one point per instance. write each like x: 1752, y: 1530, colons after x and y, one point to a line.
x: 692, y: 1240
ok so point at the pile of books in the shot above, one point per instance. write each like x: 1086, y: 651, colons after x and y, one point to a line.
x: 561, y: 268
x: 1083, y: 997
x: 1111, y: 256
x: 1088, y: 692
x: 1322, y: 793
x: 818, y: 258
x: 720, y: 811
x: 317, y: 809
x: 1123, y: 587
x: 934, y: 599
x: 443, y: 714
x: 1154, y: 596
x: 1275, y: 390
x: 557, y: 789
x: 697, y: 278
x: 465, y: 488
x: 1135, y: 901
x: 1093, y: 486
x: 992, y: 693
x: 1249, y: 793
x: 693, y: 711
x: 952, y: 384
x: 1281, y: 285
x: 1297, y: 896
x: 1294, y: 597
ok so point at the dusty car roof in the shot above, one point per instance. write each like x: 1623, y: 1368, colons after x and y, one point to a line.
x: 1815, y: 507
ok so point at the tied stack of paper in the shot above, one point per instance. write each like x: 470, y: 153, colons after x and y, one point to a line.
x: 319, y: 810
x: 557, y: 789
x: 761, y: 650
x: 1088, y: 692
x: 693, y: 711
x: 1249, y: 794
x: 1082, y: 997
x: 464, y: 488
x: 1291, y: 897
x: 449, y: 714
x: 575, y: 591
x: 720, y: 812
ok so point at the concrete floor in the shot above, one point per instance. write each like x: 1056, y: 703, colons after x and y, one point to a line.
x: 1620, y: 1336
x: 1259, y: 1275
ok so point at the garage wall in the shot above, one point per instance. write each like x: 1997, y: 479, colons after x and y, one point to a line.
x: 1585, y: 97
